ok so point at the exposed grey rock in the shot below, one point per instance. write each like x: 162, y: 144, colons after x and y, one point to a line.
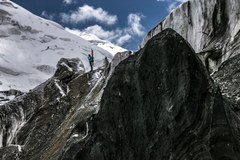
x: 14, y: 31
x: 3, y: 34
x: 12, y: 92
x: 4, y: 13
x: 65, y: 39
x: 45, y: 39
x: 157, y: 104
x: 51, y: 36
x: 206, y: 25
x: 9, y: 71
x: 119, y: 57
x: 43, y: 123
x: 8, y: 4
x: 6, y: 96
x: 160, y: 104
x: 46, y: 69
x: 228, y: 79
x: 10, y: 153
x: 67, y: 68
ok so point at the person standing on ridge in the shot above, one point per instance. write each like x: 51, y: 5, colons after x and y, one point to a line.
x: 91, y: 59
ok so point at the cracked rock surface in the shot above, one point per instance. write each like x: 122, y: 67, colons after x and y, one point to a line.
x: 212, y: 27
x: 166, y: 107
x: 160, y: 103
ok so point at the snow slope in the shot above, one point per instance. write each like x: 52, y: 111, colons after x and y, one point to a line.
x: 31, y: 46
x: 106, y: 45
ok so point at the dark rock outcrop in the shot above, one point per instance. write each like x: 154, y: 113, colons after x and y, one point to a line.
x: 12, y: 92
x: 67, y: 68
x: 228, y: 78
x: 160, y: 104
x: 157, y: 104
x: 6, y: 96
x: 43, y: 123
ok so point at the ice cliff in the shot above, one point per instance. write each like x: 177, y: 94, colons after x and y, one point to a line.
x: 212, y: 28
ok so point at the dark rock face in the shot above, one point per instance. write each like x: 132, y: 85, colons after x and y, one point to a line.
x: 67, y: 68
x: 6, y: 96
x: 228, y: 79
x: 160, y: 104
x: 12, y: 92
x: 43, y: 123
x: 153, y: 102
x: 157, y: 104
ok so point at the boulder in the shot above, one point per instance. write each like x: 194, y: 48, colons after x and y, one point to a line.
x: 67, y: 68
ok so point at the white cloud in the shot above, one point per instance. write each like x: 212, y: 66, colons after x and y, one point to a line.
x: 134, y: 24
x: 48, y: 16
x: 87, y: 13
x: 118, y: 36
x: 100, y: 32
x: 123, y: 39
x: 182, y: 1
x: 68, y: 2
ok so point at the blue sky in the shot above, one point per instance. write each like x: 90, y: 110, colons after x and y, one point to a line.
x: 123, y: 22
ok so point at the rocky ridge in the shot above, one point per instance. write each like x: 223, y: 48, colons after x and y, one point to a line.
x: 160, y: 103
x: 165, y: 107
x: 210, y: 26
x: 53, y: 115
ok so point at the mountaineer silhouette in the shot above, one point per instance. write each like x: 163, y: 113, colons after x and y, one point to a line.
x: 91, y: 59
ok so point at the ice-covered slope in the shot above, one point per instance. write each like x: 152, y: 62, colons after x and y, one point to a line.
x: 30, y: 48
x: 212, y: 27
x: 106, y: 45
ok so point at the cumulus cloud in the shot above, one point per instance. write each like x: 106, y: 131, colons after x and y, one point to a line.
x: 88, y: 13
x: 118, y: 36
x: 48, y: 16
x: 68, y: 2
x: 100, y: 32
x: 123, y: 39
x: 172, y: 4
x: 135, y: 26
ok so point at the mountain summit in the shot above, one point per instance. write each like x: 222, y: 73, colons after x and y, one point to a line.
x: 31, y: 46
